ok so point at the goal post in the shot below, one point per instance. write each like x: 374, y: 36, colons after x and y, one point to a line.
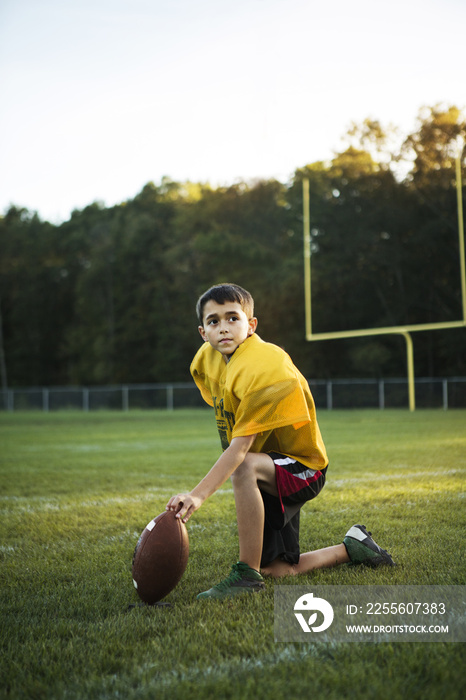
x: 405, y: 330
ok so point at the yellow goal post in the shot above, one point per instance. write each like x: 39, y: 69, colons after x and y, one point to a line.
x: 404, y: 331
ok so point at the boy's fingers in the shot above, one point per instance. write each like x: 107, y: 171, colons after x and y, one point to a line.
x: 184, y: 517
x: 185, y: 511
x: 175, y: 502
x: 183, y: 506
x: 182, y: 511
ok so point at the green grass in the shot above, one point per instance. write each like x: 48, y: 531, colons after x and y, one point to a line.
x: 77, y: 489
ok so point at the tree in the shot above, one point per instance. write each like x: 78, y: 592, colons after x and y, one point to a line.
x: 380, y: 258
x: 109, y: 295
x: 35, y: 298
x: 433, y: 147
x: 435, y: 247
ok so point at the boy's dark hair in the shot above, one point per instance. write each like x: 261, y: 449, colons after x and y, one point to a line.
x: 221, y: 293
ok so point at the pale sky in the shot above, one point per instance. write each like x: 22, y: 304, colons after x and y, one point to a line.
x: 99, y: 97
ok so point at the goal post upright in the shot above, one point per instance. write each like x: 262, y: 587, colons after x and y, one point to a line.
x: 307, y: 257
x: 404, y: 331
x: 459, y: 197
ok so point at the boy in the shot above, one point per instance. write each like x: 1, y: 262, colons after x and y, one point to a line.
x: 273, y: 449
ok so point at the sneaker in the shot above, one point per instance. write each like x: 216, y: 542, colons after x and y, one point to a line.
x: 362, y: 549
x: 242, y: 579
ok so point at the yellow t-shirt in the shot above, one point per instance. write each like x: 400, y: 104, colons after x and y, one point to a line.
x: 260, y: 391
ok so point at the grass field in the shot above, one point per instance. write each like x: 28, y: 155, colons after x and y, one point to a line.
x: 76, y: 490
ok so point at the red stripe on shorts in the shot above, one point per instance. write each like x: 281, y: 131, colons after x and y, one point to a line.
x: 292, y: 483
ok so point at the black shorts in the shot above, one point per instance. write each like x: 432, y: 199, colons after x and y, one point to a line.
x: 296, y: 484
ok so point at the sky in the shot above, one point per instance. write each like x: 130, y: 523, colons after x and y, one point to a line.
x: 99, y: 97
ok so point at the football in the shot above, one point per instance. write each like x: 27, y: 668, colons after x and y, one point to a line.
x: 160, y: 557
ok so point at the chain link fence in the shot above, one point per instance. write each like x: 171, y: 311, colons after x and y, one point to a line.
x: 329, y: 394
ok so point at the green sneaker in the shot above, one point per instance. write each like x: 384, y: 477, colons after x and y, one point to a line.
x: 242, y: 579
x: 362, y: 549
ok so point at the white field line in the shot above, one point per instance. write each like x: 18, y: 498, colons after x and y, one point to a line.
x: 370, y: 476
x: 231, y: 668
x: 151, y: 677
x: 111, y: 446
x: 38, y: 504
x: 41, y: 504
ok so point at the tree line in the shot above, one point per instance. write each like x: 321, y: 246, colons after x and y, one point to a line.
x: 108, y: 296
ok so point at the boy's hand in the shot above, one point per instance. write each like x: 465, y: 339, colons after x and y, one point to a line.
x: 184, y: 505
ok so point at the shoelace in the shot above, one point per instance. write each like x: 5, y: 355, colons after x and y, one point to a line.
x: 232, y: 578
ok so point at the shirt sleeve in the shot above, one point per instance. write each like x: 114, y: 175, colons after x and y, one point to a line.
x: 275, y: 398
x: 205, y: 393
x: 201, y: 369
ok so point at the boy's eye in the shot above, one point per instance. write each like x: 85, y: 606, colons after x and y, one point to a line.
x: 233, y: 318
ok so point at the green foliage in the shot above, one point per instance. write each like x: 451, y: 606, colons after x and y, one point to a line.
x: 109, y: 296
x: 434, y: 146
x: 76, y: 491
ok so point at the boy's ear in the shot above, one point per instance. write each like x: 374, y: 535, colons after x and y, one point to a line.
x: 202, y: 332
x: 252, y: 325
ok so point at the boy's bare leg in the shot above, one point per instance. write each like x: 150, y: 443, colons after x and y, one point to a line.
x: 320, y: 559
x: 256, y: 470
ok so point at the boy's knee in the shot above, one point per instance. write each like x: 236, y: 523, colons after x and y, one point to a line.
x: 256, y: 469
x: 244, y: 471
x: 279, y: 568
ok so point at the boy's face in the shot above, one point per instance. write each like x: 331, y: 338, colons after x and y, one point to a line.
x: 226, y: 326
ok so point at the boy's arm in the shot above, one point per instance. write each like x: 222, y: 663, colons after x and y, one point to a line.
x: 185, y: 504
